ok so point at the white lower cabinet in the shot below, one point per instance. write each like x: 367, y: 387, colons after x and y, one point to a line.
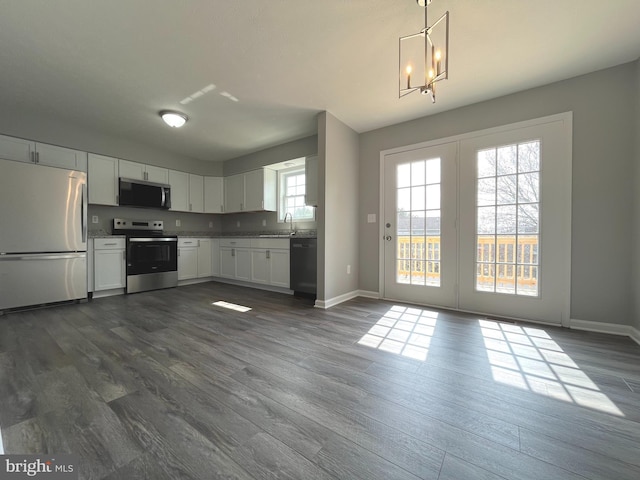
x: 109, y: 264
x: 262, y: 261
x: 194, y: 258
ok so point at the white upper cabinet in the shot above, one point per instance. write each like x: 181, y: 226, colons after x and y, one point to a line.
x: 102, y: 178
x: 140, y: 171
x: 311, y: 181
x: 27, y: 151
x: 260, y: 190
x: 16, y: 149
x: 251, y: 192
x: 234, y: 193
x: 213, y: 195
x: 196, y: 193
x: 179, y: 182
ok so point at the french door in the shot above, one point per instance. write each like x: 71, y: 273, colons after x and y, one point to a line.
x: 482, y: 223
x: 420, y: 239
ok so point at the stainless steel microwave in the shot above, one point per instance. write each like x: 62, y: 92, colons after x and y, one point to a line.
x: 138, y: 193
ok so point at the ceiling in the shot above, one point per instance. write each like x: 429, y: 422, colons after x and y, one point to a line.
x: 111, y: 66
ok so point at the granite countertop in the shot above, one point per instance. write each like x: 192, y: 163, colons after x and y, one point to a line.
x: 207, y: 234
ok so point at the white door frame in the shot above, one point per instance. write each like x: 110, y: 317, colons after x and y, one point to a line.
x: 565, y: 206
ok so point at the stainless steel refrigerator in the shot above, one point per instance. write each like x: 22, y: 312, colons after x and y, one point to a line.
x: 43, y: 235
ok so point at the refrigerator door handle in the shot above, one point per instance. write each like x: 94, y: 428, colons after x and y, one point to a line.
x: 40, y: 256
x: 83, y: 213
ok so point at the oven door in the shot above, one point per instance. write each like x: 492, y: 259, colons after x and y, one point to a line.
x: 152, y: 255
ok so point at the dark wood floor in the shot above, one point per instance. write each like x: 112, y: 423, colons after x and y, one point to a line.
x: 164, y: 385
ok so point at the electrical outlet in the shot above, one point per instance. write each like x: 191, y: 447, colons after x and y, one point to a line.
x: 178, y: 223
x: 348, y: 269
x: 94, y: 219
x: 264, y: 222
x: 238, y: 223
x: 210, y: 224
x: 371, y: 218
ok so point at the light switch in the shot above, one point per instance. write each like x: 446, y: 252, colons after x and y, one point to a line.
x: 371, y: 218
x: 178, y: 223
x: 94, y: 219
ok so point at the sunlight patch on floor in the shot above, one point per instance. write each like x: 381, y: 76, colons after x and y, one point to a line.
x: 231, y: 306
x: 529, y: 359
x: 404, y: 331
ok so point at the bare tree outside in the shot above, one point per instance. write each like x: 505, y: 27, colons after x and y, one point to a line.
x: 508, y: 218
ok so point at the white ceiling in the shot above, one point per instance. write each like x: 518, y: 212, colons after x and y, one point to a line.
x: 112, y: 65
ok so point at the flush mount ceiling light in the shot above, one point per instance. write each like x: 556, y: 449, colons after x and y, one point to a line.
x: 173, y: 119
x: 427, y: 54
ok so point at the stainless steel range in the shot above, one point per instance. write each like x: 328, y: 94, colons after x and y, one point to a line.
x: 152, y: 256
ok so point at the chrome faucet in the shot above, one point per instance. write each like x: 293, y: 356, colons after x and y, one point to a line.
x: 291, y: 232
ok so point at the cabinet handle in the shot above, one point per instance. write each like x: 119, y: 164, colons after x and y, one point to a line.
x: 124, y: 255
x: 118, y: 199
x: 37, y: 157
x: 178, y: 252
x: 268, y: 254
x: 110, y: 244
x: 190, y: 207
x: 241, y: 206
x: 233, y: 252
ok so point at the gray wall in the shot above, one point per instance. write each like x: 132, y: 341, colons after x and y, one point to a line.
x: 337, y: 213
x: 604, y: 152
x: 287, y: 151
x: 45, y: 129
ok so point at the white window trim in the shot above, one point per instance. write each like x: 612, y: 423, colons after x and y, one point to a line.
x: 281, y: 175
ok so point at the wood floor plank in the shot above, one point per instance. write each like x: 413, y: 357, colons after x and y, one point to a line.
x: 266, y: 458
x: 159, y: 429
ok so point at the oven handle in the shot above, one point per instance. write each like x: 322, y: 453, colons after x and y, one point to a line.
x: 138, y: 239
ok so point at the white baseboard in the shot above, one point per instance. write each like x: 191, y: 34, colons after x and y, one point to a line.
x: 610, y: 328
x: 368, y: 294
x: 336, y: 300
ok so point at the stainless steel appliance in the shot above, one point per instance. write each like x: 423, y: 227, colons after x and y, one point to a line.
x: 152, y: 256
x: 303, y: 266
x: 43, y: 235
x: 138, y: 193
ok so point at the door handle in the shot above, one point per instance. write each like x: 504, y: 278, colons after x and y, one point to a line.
x: 388, y: 238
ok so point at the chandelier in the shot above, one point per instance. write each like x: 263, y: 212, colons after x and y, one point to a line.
x: 424, y: 56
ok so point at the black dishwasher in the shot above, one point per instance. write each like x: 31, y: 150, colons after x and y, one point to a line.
x: 303, y: 273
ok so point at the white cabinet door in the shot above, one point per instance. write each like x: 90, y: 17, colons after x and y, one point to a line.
x: 204, y: 258
x: 234, y: 193
x: 227, y: 262
x: 279, y: 268
x: 157, y: 174
x: 243, y: 264
x: 102, y: 180
x: 16, y: 149
x: 187, y: 263
x: 311, y: 181
x: 109, y: 269
x: 132, y: 170
x: 260, y: 190
x: 213, y: 195
x: 260, y: 265
x: 60, y: 157
x: 196, y: 193
x: 179, y: 182
x: 215, y: 257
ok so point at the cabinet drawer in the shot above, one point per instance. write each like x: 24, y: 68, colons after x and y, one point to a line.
x: 188, y: 242
x: 235, y: 242
x: 108, y: 243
